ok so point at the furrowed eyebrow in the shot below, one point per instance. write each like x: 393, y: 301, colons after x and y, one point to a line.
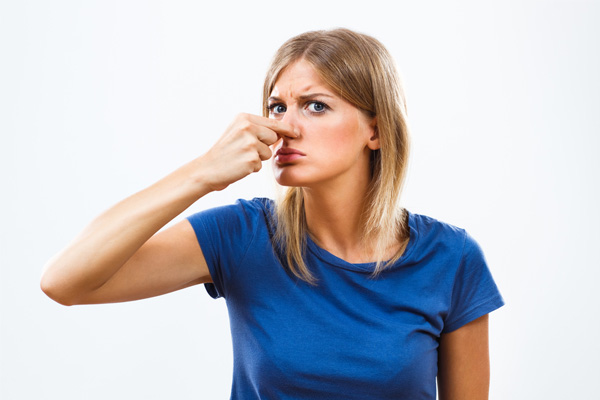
x: 311, y: 96
x: 304, y: 97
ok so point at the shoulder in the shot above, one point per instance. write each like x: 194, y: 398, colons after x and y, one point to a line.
x: 432, y: 230
x: 425, y: 222
x: 458, y: 262
x: 434, y: 237
x: 228, y: 235
x: 232, y: 227
x: 241, y: 208
x: 257, y: 205
x: 242, y: 218
x: 259, y: 210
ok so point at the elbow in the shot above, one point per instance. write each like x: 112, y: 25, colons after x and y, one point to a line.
x: 54, y: 293
x: 54, y: 288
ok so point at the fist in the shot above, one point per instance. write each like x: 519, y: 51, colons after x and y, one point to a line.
x: 242, y: 148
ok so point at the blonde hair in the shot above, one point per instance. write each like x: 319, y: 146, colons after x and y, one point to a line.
x: 362, y: 72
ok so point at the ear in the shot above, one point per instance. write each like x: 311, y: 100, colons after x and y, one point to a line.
x: 373, y: 142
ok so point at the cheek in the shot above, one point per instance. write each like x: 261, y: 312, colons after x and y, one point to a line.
x: 340, y: 135
x: 326, y: 130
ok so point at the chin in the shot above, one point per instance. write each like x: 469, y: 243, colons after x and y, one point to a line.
x: 286, y: 177
x: 288, y: 182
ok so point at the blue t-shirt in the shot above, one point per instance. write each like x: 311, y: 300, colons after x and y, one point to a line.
x: 351, y: 336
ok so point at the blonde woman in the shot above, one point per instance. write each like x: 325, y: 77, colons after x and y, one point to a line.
x: 334, y: 292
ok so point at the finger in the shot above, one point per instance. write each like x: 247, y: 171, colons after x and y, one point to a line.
x: 279, y: 127
x: 264, y: 151
x: 266, y: 135
x: 257, y: 166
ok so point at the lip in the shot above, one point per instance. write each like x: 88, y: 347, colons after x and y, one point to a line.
x: 286, y: 155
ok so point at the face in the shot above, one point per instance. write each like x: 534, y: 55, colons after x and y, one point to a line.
x: 335, y: 140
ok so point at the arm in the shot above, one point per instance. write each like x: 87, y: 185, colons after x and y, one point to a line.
x: 119, y: 256
x: 463, y: 364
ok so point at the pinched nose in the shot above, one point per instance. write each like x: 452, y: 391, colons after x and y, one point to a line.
x: 293, y: 119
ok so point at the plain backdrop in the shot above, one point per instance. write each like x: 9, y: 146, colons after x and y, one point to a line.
x: 99, y: 99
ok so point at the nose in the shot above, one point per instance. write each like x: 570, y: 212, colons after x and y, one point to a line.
x: 288, y: 117
x: 293, y: 118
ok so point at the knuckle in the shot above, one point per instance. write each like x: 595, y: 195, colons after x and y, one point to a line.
x: 245, y: 125
x: 252, y: 159
x: 249, y: 143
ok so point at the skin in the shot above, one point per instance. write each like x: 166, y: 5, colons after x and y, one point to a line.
x: 334, y: 174
x: 121, y: 257
x: 463, y: 362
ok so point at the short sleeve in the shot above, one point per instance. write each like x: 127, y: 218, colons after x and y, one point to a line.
x: 474, y: 292
x: 224, y: 234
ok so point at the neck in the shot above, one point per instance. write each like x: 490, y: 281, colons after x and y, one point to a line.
x: 334, y: 220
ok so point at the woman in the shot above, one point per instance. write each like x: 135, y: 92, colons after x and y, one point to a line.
x: 333, y: 292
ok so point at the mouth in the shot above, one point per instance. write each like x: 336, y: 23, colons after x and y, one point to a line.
x: 286, y: 155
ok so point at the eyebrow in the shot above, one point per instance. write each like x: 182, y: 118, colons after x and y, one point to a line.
x: 304, y: 97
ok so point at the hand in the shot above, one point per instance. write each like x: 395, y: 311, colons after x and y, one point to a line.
x: 242, y: 148
x: 118, y: 257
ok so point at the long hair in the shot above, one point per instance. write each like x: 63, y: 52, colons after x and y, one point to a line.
x: 361, y: 71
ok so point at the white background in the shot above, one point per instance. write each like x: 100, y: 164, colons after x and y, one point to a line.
x: 100, y: 98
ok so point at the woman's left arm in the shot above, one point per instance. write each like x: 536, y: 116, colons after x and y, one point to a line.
x: 464, y: 362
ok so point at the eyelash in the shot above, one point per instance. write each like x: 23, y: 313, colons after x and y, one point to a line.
x: 325, y: 106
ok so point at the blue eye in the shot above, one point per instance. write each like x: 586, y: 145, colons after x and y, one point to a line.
x: 277, y: 109
x: 317, y: 107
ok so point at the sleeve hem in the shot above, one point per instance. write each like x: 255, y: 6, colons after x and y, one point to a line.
x: 484, y: 308
x: 212, y: 291
x: 202, y: 236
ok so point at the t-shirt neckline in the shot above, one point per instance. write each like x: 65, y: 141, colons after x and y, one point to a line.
x: 369, y: 267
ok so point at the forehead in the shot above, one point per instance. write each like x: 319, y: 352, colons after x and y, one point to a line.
x: 298, y: 78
